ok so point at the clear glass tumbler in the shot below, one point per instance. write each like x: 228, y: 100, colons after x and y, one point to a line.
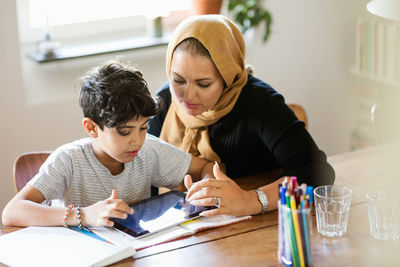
x: 384, y: 214
x: 332, y: 206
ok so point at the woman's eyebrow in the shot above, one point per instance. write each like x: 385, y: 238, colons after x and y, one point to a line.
x: 197, y: 80
x: 177, y: 74
x: 203, y: 79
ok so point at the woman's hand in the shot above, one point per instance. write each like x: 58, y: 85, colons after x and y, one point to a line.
x: 233, y: 200
x: 99, y: 213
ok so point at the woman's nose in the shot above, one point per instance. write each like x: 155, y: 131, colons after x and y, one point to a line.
x: 189, y: 92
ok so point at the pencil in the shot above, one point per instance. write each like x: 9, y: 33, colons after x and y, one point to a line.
x: 297, y: 229
x: 293, y: 246
x: 305, y: 232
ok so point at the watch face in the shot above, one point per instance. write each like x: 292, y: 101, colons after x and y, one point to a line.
x: 262, y: 197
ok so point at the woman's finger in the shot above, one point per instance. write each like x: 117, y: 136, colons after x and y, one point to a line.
x: 188, y: 181
x: 212, y: 212
x: 206, y: 192
x: 208, y: 202
x: 206, y: 183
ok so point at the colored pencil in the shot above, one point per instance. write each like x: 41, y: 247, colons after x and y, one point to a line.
x: 297, y: 229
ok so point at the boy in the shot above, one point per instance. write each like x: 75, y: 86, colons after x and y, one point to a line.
x: 97, y: 176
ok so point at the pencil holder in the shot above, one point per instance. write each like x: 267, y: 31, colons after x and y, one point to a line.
x: 294, y: 236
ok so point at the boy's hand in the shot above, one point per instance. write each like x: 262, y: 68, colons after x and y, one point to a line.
x: 99, y: 213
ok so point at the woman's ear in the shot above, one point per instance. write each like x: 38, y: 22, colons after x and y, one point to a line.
x: 90, y: 127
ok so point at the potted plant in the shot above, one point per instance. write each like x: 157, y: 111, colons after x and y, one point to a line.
x: 249, y: 14
x: 203, y: 7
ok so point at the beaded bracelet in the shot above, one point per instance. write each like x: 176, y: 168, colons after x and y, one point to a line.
x: 66, y: 213
x: 78, y: 216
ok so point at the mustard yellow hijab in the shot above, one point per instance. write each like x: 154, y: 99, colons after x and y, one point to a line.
x: 225, y: 43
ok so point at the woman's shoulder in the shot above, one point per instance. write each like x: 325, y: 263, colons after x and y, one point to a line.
x: 165, y: 94
x: 256, y: 87
x: 257, y: 93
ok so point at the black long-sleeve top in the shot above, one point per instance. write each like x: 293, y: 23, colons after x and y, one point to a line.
x: 261, y: 134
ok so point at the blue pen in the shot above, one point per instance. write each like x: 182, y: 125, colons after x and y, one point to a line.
x: 283, y: 198
x: 310, y: 194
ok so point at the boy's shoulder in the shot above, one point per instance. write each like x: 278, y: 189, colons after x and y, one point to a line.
x: 153, y: 141
x: 159, y: 146
x: 77, y: 146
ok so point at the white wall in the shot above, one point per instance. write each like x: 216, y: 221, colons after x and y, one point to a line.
x: 307, y: 59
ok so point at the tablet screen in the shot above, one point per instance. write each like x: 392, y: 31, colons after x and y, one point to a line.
x: 157, y: 213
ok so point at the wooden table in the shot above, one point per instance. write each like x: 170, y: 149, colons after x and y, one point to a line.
x: 255, y: 242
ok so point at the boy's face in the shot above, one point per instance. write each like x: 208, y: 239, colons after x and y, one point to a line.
x: 120, y: 144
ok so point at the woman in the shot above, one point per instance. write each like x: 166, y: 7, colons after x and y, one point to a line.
x: 218, y: 111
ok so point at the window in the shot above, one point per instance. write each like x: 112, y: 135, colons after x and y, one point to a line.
x: 76, y: 19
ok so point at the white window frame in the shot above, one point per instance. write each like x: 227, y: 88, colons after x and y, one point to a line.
x: 104, y: 29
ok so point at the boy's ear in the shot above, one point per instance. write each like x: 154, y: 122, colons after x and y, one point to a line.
x: 90, y: 127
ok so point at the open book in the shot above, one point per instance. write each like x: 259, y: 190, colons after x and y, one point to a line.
x: 58, y: 246
x: 174, y: 232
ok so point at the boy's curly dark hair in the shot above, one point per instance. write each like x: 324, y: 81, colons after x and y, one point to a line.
x: 113, y: 94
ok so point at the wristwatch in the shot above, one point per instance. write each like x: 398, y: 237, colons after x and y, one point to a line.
x: 262, y: 197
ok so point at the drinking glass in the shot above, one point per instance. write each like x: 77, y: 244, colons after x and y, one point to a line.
x: 384, y: 214
x: 332, y: 206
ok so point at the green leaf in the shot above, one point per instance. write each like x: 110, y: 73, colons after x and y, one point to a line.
x: 250, y: 13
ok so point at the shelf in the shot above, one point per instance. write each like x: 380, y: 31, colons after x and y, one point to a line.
x: 375, y: 78
x: 78, y: 51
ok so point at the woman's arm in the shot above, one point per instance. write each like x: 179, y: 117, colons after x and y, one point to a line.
x: 233, y: 199
x: 25, y: 209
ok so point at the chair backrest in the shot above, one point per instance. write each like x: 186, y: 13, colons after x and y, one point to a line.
x: 386, y: 123
x: 26, y: 166
x: 300, y: 113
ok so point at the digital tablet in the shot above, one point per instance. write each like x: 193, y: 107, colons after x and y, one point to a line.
x: 157, y: 213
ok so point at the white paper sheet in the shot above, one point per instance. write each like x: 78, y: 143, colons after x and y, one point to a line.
x: 58, y: 246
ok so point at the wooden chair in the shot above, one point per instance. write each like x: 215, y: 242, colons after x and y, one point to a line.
x: 300, y: 113
x: 27, y: 166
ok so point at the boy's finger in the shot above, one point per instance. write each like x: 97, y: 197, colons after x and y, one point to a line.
x: 114, y: 194
x: 118, y: 214
x: 109, y: 223
x: 122, y: 206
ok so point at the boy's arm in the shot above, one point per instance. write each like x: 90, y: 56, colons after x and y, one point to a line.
x: 200, y: 169
x: 25, y: 209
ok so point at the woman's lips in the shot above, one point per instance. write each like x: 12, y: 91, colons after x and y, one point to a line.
x: 190, y: 106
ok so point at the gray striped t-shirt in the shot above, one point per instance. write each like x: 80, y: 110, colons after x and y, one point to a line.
x: 75, y: 176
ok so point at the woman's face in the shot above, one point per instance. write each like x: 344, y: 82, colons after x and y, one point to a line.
x: 196, y: 82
